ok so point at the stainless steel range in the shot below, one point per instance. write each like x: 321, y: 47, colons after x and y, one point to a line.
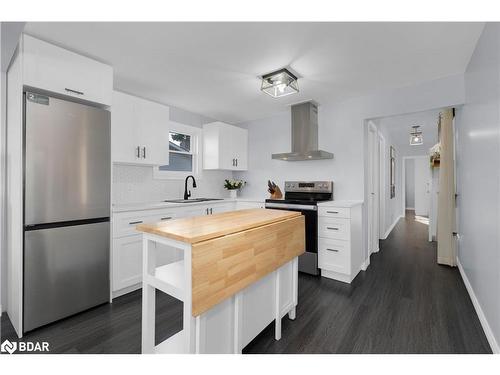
x: 303, y: 196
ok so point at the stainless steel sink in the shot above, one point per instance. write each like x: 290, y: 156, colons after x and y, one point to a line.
x: 194, y: 200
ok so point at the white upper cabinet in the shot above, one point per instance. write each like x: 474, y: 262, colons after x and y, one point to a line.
x: 51, y: 68
x: 225, y: 147
x: 139, y: 131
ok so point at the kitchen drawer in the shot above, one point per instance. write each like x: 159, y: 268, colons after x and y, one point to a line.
x: 124, y: 224
x: 334, y: 212
x: 218, y: 208
x: 337, y: 229
x: 334, y: 255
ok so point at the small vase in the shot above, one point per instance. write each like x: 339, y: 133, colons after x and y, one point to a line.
x: 233, y: 193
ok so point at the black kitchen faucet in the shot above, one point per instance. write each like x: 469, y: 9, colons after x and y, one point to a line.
x: 187, y: 193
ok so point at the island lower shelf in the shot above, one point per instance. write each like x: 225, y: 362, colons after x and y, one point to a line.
x: 232, y: 285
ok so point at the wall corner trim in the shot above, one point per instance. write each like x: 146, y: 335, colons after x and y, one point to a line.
x: 392, y: 227
x: 495, y: 348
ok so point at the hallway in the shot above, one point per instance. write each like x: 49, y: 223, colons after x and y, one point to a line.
x: 403, y: 303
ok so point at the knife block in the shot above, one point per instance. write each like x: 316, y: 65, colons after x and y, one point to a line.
x: 277, y: 194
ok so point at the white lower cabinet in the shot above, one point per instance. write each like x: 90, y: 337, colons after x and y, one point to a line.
x: 127, y: 242
x: 340, y: 251
x: 127, y: 261
x: 245, y: 205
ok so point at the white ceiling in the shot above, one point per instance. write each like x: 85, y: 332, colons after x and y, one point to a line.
x: 213, y: 68
x: 398, y: 129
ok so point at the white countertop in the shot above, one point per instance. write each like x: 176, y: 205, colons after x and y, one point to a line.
x: 125, y: 207
x: 341, y: 204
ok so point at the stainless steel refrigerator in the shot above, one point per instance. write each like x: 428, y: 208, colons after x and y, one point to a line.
x: 66, y: 208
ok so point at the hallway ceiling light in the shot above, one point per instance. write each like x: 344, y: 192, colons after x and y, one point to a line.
x: 279, y: 83
x: 416, y: 136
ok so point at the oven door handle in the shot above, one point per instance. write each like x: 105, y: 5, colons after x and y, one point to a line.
x: 284, y: 206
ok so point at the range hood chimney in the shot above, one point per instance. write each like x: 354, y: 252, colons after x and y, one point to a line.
x: 304, y: 135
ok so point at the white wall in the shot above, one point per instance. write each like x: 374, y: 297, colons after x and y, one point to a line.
x: 3, y: 226
x: 9, y: 36
x: 478, y: 173
x: 393, y: 206
x: 135, y: 184
x: 342, y: 130
x: 3, y: 273
x: 410, y: 183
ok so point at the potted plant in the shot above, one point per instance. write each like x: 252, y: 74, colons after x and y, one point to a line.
x: 233, y: 186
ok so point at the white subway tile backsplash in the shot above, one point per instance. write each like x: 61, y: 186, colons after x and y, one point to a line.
x: 135, y: 184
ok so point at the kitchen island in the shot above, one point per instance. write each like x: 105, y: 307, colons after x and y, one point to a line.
x: 238, y: 273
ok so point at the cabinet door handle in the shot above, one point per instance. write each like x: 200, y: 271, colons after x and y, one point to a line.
x: 211, y: 212
x: 166, y: 218
x: 206, y: 210
x: 135, y: 222
x: 332, y: 228
x: 144, y: 152
x: 73, y: 91
x: 236, y: 162
x: 138, y: 152
x: 332, y: 212
x: 334, y: 250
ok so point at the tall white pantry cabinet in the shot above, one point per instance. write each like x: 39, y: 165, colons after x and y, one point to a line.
x: 43, y: 67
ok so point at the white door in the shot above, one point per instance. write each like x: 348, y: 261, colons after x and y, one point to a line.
x: 240, y: 148
x: 154, y: 127
x: 227, y: 148
x: 124, y: 130
x: 127, y: 261
x: 373, y: 190
x: 422, y: 186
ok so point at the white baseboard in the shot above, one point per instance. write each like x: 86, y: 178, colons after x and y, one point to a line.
x: 479, y: 311
x: 392, y: 227
x: 365, y: 264
x: 126, y: 290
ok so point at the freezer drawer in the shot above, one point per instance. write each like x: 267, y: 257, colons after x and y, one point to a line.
x: 66, y: 270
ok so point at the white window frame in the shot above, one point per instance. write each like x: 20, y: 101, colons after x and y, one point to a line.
x: 196, y: 134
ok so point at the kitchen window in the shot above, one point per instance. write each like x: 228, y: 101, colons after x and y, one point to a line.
x: 183, y: 148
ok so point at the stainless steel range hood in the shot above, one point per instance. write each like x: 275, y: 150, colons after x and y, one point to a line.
x: 304, y: 135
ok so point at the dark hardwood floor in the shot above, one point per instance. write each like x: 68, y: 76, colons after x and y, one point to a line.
x: 404, y: 303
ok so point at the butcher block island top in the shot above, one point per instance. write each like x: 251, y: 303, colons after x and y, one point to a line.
x: 224, y: 257
x: 202, y: 228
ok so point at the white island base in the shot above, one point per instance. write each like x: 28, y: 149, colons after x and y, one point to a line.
x: 228, y: 326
